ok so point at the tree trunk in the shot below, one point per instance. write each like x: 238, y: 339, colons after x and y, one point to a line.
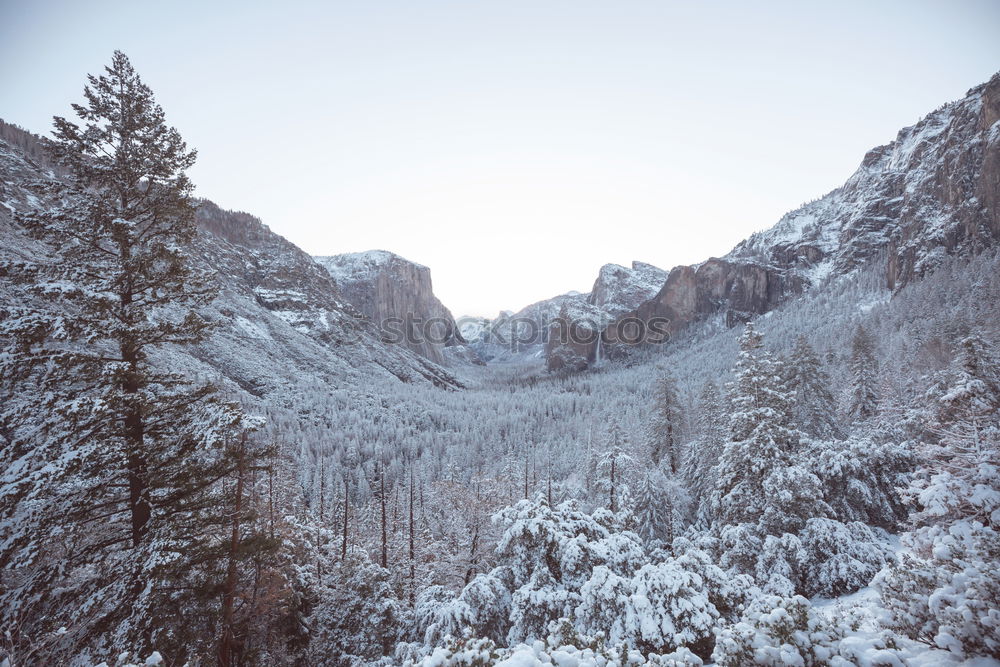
x: 671, y: 447
x: 138, y: 471
x: 229, y: 592
x: 413, y: 556
x: 613, y: 502
x: 526, y: 474
x: 549, y: 484
x: 270, y: 490
x: 670, y: 526
x: 343, y: 545
x: 473, y: 549
x: 385, y: 546
x: 134, y: 431
x: 322, y: 490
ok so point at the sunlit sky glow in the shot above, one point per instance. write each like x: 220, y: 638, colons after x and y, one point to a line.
x: 514, y: 147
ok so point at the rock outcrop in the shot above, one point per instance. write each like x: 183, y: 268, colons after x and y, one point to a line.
x: 573, y: 338
x: 515, y: 335
x: 619, y: 290
x: 396, y: 294
x: 739, y: 290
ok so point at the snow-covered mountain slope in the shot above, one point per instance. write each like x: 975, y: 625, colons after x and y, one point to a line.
x: 933, y: 192
x: 397, y: 295
x: 283, y: 321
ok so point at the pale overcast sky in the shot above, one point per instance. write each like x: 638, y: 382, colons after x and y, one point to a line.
x: 514, y: 147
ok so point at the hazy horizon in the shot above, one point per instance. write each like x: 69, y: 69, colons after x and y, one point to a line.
x: 515, y: 148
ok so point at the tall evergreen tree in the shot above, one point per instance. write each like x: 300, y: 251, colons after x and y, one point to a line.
x: 665, y: 436
x: 770, y: 513
x: 701, y: 456
x: 863, y: 367
x: 757, y: 481
x: 959, y: 478
x: 121, y: 238
x: 660, y: 502
x: 815, y: 409
x: 711, y: 415
x: 223, y: 572
x: 652, y: 514
x: 614, y: 467
x: 109, y: 443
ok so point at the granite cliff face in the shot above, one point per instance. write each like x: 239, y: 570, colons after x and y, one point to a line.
x: 582, y: 335
x: 397, y: 296
x: 933, y: 191
x: 740, y: 290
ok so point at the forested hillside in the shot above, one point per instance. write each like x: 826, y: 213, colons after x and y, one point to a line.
x: 208, y: 456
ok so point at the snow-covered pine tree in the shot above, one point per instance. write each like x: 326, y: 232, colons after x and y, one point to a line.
x: 358, y: 616
x: 701, y: 456
x: 654, y: 509
x: 548, y: 554
x: 710, y: 413
x: 967, y: 401
x: 665, y: 431
x: 458, y: 518
x: 761, y: 436
x: 863, y: 367
x: 223, y: 556
x: 615, y: 467
x: 120, y: 240
x: 764, y: 496
x: 862, y: 478
x: 104, y: 438
x: 659, y: 609
x: 946, y: 592
x: 815, y: 408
